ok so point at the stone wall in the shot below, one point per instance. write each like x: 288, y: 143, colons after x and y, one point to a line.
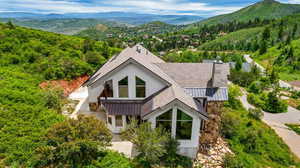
x: 211, y: 132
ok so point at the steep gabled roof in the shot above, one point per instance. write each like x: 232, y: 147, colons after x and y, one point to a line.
x: 176, y: 75
x: 139, y: 55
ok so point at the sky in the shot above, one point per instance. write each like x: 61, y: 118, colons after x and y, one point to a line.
x: 174, y: 7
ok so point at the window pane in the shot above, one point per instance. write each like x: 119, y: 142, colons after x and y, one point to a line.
x: 123, y: 87
x: 167, y: 125
x: 184, y: 130
x: 119, y: 121
x: 109, y: 120
x: 140, y: 87
x: 140, y: 91
x: 183, y: 116
x: 165, y: 116
x: 109, y: 88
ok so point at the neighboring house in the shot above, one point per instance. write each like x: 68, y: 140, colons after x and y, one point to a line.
x: 246, y: 67
x: 176, y: 96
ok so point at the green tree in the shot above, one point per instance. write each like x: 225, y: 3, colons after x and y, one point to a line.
x: 150, y: 143
x: 263, y: 47
x: 73, y: 143
x: 295, y: 29
x: 266, y: 34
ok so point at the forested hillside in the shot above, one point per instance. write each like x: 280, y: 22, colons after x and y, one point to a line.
x: 63, y: 26
x: 285, y: 57
x: 29, y: 57
x: 265, y: 9
x: 145, y: 31
x: 251, y: 39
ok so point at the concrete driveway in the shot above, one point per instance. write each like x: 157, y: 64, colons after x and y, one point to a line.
x: 277, y: 122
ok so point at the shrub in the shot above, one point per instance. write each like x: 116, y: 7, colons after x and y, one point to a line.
x: 229, y: 124
x: 256, y: 113
x: 113, y: 160
x: 234, y: 93
x: 255, y: 100
x: 73, y: 143
x: 172, y: 159
x: 274, y: 104
x: 150, y: 143
x: 255, y: 87
x: 230, y: 161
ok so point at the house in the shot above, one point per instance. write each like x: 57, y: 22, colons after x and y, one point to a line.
x: 176, y: 96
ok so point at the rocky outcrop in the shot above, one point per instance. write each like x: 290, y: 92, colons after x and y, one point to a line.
x: 214, y: 156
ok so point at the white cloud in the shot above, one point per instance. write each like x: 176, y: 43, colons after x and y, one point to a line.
x: 142, y: 6
x: 290, y: 1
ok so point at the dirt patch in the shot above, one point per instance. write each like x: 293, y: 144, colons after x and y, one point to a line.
x: 67, y: 86
x: 295, y: 83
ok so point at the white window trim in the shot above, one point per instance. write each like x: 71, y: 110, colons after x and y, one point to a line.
x: 174, y: 122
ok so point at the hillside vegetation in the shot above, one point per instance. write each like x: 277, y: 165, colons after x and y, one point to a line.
x: 125, y: 33
x: 285, y: 57
x: 265, y: 9
x: 251, y: 39
x: 254, y: 143
x: 28, y: 57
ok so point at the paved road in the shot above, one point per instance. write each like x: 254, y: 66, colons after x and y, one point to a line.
x: 278, y: 121
x: 282, y: 84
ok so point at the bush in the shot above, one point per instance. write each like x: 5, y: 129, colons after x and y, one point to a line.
x: 150, y: 143
x: 73, y: 143
x: 172, y: 159
x: 230, y: 161
x: 255, y: 100
x: 234, y: 93
x: 229, y: 124
x: 274, y: 104
x: 256, y: 113
x: 255, y: 87
x: 113, y: 160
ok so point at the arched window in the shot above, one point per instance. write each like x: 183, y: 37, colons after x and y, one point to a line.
x: 123, y: 87
x: 184, y: 125
x: 140, y: 88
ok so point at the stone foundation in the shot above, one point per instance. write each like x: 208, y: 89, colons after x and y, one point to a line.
x: 214, y: 156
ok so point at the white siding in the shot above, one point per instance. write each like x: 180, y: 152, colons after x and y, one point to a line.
x: 153, y: 83
x: 186, y: 147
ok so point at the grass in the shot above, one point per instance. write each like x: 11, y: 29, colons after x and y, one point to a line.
x: 294, y: 127
x: 286, y: 71
x: 254, y: 143
x: 233, y: 38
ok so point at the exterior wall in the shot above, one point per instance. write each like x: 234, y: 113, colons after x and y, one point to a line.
x: 186, y: 147
x: 114, y: 129
x: 153, y: 84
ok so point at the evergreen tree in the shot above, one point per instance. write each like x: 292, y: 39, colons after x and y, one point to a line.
x: 266, y: 34
x: 10, y: 25
x: 295, y: 28
x: 263, y: 47
x: 280, y: 33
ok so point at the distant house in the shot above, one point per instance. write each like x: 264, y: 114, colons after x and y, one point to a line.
x: 246, y: 67
x: 176, y: 96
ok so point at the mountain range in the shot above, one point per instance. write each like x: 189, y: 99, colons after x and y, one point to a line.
x: 124, y: 17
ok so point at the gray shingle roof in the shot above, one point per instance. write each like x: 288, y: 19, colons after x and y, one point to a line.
x: 212, y: 94
x: 197, y: 74
x: 177, y: 76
